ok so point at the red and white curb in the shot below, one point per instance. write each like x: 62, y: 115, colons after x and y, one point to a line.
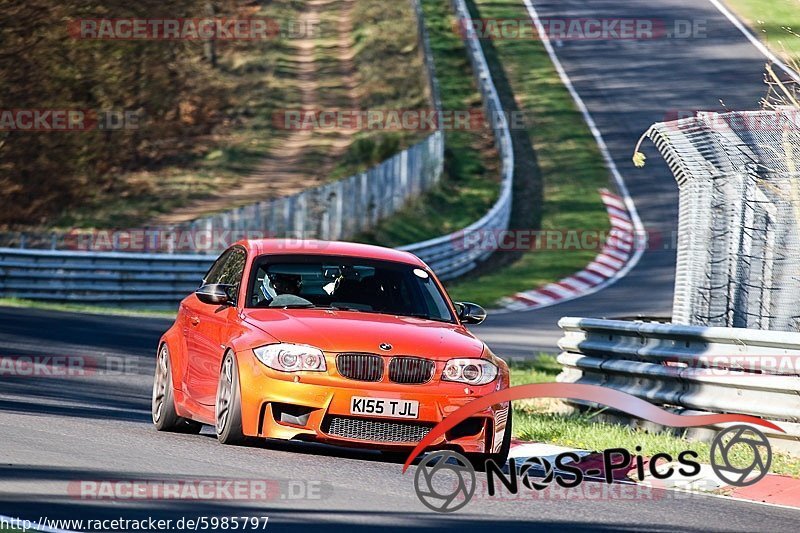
x: 774, y: 490
x: 605, y: 270
x: 524, y: 450
x: 610, y: 265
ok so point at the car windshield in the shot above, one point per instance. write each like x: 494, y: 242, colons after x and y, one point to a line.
x: 348, y: 284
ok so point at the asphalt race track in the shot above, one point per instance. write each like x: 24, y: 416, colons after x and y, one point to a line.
x: 58, y: 431
x: 98, y: 428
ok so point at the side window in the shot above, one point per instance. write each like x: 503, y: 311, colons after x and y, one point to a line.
x: 229, y: 269
x: 233, y: 269
x: 215, y: 272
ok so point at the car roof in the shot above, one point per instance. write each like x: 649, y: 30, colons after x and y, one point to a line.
x: 316, y: 247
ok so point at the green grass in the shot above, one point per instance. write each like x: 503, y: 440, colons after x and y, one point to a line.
x: 471, y: 180
x: 89, y: 309
x: 570, y: 161
x: 543, y: 369
x: 391, y: 75
x: 534, y: 421
x: 776, y: 22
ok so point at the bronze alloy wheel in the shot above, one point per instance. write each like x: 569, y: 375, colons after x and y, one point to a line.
x: 228, y: 406
x: 160, y: 384
x: 165, y: 417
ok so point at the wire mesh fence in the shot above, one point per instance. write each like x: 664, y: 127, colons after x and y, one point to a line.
x: 739, y: 227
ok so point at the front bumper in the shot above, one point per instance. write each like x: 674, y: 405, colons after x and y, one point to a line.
x: 316, y: 406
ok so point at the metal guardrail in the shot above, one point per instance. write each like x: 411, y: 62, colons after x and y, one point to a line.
x: 736, y: 268
x: 427, y: 56
x: 452, y: 255
x: 101, y: 278
x: 689, y: 368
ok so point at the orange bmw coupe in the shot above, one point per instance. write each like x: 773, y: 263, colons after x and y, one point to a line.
x: 334, y: 342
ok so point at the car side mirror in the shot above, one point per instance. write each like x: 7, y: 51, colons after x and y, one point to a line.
x: 470, y: 313
x: 215, y: 294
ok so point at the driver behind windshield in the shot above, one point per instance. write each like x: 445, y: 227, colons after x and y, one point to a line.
x: 368, y: 286
x: 279, y: 289
x: 286, y: 283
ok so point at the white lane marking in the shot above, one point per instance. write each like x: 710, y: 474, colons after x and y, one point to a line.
x: 601, y: 143
x: 755, y: 41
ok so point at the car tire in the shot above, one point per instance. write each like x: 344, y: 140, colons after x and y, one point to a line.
x: 228, y: 406
x: 162, y: 408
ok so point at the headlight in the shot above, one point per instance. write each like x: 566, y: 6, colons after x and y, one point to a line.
x: 470, y: 371
x: 292, y: 358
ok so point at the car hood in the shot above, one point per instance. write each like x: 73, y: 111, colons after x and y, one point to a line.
x: 345, y: 331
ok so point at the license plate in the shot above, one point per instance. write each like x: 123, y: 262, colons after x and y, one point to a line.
x: 384, y: 407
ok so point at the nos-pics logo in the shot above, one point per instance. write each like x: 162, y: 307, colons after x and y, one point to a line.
x: 445, y: 481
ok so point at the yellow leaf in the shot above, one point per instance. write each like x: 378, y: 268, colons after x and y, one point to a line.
x: 639, y: 159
